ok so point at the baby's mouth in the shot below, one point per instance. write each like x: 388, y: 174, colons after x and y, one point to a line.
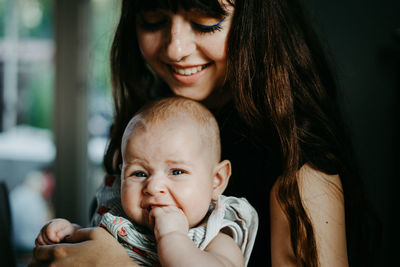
x: 148, y: 208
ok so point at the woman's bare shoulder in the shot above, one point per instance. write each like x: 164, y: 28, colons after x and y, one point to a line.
x: 315, y: 184
x: 322, y: 198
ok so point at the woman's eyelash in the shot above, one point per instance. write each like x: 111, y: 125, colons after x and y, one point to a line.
x: 154, y: 26
x: 209, y: 28
x: 206, y: 28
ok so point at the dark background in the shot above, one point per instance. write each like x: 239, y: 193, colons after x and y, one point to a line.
x: 363, y: 38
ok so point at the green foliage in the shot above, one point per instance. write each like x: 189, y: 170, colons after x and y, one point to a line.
x: 36, y: 18
x: 2, y: 17
x: 101, y: 37
x: 36, y: 79
x: 38, y: 98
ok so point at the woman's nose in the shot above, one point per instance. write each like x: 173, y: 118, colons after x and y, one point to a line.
x: 181, y: 40
x: 155, y: 185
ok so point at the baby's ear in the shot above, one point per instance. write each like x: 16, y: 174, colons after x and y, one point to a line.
x: 221, y: 177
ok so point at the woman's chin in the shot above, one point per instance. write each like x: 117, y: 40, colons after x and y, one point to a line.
x: 188, y: 93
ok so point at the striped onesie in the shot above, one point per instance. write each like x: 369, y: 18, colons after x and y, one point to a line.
x: 234, y: 216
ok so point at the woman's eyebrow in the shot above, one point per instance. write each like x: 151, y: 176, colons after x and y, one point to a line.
x: 207, y: 13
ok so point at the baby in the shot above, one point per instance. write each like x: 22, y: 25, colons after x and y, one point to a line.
x: 172, y: 180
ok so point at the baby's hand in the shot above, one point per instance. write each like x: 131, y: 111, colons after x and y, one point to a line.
x: 167, y: 220
x: 55, y: 231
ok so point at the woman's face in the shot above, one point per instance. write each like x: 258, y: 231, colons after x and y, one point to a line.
x: 187, y: 49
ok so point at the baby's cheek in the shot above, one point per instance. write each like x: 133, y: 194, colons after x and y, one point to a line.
x: 124, y: 196
x: 197, y: 212
x: 129, y: 200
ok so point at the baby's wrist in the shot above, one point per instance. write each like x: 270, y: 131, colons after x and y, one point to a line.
x: 76, y: 226
x: 170, y: 236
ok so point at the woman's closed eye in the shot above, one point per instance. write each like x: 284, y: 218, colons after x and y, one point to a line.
x: 154, y: 21
x: 206, y: 28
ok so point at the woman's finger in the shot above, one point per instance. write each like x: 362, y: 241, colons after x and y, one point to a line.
x: 44, y: 252
x: 35, y: 263
x: 86, y: 247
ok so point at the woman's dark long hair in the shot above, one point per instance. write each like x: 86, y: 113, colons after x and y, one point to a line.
x: 283, y: 88
x: 293, y: 98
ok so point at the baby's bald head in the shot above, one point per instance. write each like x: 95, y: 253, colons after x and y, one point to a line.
x: 176, y: 110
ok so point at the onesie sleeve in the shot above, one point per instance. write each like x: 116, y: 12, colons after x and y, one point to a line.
x: 107, y: 198
x: 232, y: 216
x: 139, y: 244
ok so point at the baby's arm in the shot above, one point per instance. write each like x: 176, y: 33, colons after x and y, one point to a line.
x: 175, y: 248
x: 55, y: 231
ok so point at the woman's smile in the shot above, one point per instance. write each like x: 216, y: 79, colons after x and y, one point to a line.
x: 188, y: 74
x: 188, y: 70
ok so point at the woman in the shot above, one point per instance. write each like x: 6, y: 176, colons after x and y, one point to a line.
x: 261, y: 70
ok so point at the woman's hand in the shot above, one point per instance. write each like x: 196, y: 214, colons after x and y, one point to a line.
x: 86, y: 247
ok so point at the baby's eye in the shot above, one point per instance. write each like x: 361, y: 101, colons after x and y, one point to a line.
x: 140, y: 174
x: 177, y: 172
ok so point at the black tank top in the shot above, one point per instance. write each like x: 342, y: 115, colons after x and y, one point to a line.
x: 254, y: 172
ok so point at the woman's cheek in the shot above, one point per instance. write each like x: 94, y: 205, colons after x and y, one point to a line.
x: 149, y: 44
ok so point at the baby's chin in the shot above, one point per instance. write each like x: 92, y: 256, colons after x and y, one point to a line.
x: 141, y: 219
x: 145, y: 226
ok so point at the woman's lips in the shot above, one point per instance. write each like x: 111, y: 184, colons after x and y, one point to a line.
x: 188, y: 70
x: 188, y: 75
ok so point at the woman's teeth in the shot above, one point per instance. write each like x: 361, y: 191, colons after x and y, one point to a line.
x: 188, y: 71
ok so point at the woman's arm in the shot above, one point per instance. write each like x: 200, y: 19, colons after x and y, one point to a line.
x: 86, y: 247
x: 323, y: 201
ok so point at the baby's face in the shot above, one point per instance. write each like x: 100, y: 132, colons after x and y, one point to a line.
x: 167, y: 164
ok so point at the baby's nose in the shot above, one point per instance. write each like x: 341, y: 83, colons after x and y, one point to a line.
x: 155, y: 185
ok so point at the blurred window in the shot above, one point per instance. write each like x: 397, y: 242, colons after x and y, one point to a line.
x: 27, y: 73
x: 26, y: 87
x: 105, y: 14
x: 26, y: 100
